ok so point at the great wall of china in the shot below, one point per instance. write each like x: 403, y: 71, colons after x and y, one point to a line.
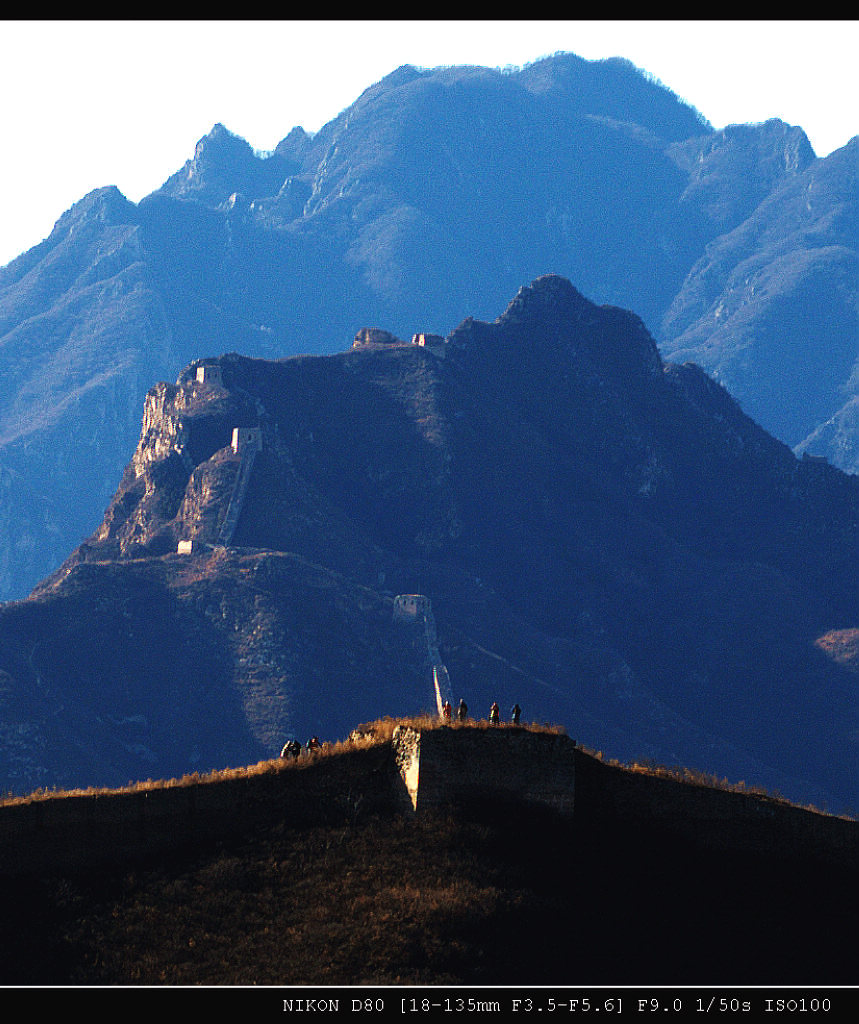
x: 246, y: 443
x: 417, y: 608
x: 420, y: 770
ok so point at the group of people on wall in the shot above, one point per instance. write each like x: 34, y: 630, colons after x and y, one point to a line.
x: 494, y: 713
x: 293, y: 749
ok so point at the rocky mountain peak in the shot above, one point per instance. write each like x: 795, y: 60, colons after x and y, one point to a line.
x: 550, y: 313
x: 548, y: 297
x: 106, y: 205
x: 225, y: 163
x: 220, y: 145
x: 294, y: 144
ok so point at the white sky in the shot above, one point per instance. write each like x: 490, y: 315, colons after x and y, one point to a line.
x: 93, y: 103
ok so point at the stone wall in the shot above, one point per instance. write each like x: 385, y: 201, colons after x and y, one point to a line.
x: 419, y: 771
x: 451, y: 765
x: 413, y: 608
x: 247, y: 441
x: 88, y: 830
x: 711, y: 817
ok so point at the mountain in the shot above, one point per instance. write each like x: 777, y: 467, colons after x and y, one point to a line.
x: 433, y: 197
x: 604, y: 537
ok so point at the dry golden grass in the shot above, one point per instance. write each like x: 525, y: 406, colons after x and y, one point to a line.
x: 381, y: 731
x: 706, y: 780
x: 382, y: 902
x: 842, y: 646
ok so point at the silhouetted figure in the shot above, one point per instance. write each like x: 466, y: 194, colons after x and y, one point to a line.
x: 446, y: 711
x: 494, y: 714
x: 462, y: 711
x: 515, y: 714
x: 292, y: 748
x: 313, y: 744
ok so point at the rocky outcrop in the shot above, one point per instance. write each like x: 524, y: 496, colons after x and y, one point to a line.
x: 182, y: 468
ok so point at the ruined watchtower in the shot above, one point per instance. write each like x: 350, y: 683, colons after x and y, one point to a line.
x: 411, y: 607
x: 434, y: 343
x: 247, y: 439
x: 210, y: 374
x: 375, y: 337
x: 446, y: 767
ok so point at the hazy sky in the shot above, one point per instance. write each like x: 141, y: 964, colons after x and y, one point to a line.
x: 93, y: 103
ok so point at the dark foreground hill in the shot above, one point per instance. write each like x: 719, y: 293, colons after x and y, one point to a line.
x: 327, y: 880
x: 432, y: 197
x: 603, y: 537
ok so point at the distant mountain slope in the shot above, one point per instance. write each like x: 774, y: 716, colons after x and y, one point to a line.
x: 433, y: 197
x: 605, y: 538
x: 838, y: 438
x: 771, y: 310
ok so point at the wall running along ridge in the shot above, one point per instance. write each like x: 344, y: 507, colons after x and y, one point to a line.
x: 419, y: 771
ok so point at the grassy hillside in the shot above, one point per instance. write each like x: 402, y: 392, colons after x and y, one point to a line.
x: 497, y: 892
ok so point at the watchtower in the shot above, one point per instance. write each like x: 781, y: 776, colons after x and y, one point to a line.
x: 434, y: 343
x: 410, y: 607
x: 210, y: 373
x: 373, y: 337
x: 247, y: 439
